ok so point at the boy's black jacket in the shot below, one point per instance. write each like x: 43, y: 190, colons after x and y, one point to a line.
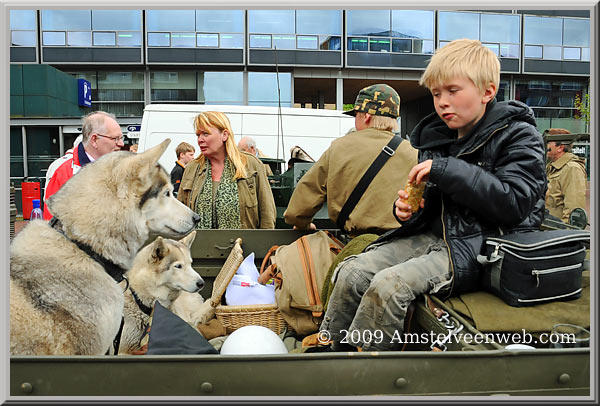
x: 496, y: 183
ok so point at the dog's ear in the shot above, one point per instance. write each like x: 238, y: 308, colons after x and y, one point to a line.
x: 151, y: 156
x: 188, y: 239
x: 159, y: 249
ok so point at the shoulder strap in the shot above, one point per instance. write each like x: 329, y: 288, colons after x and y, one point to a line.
x: 364, y: 182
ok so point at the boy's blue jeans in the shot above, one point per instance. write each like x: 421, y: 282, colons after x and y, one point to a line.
x: 374, y: 289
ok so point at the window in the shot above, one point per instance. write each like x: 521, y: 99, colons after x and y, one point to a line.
x: 553, y: 102
x: 183, y: 39
x: 221, y: 87
x: 295, y: 29
x: 560, y: 38
x: 271, y: 21
x: 53, y: 38
x: 499, y: 32
x: 66, y: 20
x: 171, y: 20
x: 159, y: 39
x: 117, y: 20
x: 105, y: 38
x: 220, y: 21
x: 23, y: 38
x: 131, y: 38
x: 398, y: 31
x: 232, y: 41
x: 173, y: 86
x: 262, y: 89
x: 23, y: 25
x: 79, y: 39
x: 207, y: 40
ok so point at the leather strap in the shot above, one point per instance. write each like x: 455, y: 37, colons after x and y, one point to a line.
x: 364, y: 182
x: 145, y: 309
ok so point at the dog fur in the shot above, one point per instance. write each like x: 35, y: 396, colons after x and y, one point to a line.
x: 162, y: 271
x: 62, y: 301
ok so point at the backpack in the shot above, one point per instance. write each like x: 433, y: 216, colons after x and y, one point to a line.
x: 299, y: 270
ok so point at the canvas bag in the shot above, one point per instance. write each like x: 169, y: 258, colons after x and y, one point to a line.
x: 529, y: 268
x: 299, y: 270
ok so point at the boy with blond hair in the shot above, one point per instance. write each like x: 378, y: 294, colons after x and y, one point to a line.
x: 185, y: 153
x: 483, y: 164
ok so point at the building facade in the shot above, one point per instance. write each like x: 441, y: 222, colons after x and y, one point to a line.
x: 297, y: 58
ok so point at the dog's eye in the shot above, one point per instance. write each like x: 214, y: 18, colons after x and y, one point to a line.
x: 168, y: 193
x: 178, y: 266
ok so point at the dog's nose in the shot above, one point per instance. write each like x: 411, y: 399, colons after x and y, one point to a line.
x: 200, y: 284
x: 196, y: 218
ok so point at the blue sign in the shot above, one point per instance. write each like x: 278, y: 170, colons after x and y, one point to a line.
x: 84, y: 93
x: 134, y: 127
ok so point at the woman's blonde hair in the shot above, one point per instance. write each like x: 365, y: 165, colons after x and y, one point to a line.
x: 220, y: 121
x: 466, y: 58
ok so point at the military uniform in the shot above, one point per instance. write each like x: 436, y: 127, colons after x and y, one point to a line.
x: 566, y: 185
x: 335, y: 175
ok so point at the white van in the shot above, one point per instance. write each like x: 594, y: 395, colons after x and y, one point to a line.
x: 311, y: 129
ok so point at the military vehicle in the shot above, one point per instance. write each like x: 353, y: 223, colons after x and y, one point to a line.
x: 451, y: 365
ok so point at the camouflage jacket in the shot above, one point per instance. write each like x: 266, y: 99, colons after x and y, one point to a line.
x: 335, y: 175
x: 257, y: 206
x: 566, y: 186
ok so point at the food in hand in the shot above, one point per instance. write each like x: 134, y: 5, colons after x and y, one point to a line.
x: 415, y: 194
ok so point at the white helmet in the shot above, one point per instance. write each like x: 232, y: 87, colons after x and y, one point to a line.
x: 253, y: 340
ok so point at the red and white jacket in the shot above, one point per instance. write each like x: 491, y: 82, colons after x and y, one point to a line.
x: 63, y: 173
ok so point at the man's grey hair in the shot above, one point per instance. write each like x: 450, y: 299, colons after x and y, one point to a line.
x: 94, y: 122
x: 249, y: 142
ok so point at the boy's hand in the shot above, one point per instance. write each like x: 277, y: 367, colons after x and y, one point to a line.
x: 403, y: 209
x: 420, y: 172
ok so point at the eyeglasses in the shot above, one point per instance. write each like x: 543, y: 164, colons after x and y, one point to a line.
x: 115, y: 139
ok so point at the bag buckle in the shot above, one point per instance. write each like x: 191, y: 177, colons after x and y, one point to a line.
x: 388, y: 150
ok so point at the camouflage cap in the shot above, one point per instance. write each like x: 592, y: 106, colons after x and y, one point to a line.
x: 377, y: 100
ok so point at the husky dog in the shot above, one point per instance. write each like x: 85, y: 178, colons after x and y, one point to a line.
x: 161, y: 271
x: 65, y: 296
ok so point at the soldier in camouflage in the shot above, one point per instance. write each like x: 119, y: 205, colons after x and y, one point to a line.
x: 335, y: 175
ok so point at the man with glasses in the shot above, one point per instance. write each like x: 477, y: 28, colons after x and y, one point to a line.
x: 101, y: 135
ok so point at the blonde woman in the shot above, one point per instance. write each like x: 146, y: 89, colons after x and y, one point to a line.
x: 228, y: 188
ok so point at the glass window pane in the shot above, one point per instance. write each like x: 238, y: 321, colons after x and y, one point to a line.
x: 552, y: 52
x: 454, y: 25
x: 271, y: 21
x: 503, y: 91
x: 120, y: 86
x: 220, y: 20
x: 577, y: 32
x: 221, y: 87
x: 330, y: 43
x: 207, y: 40
x: 232, y: 41
x: 572, y: 53
x: 23, y: 20
x: 121, y: 109
x: 262, y: 88
x: 79, y: 39
x: 542, y: 30
x: 53, y: 38
x: 494, y: 47
x: 423, y: 47
x: 585, y: 54
x: 368, y: 22
x: 379, y: 44
x: 158, y: 39
x: 319, y: 22
x: 180, y: 86
x: 68, y: 20
x: 284, y: 41
x: 128, y: 20
x: 401, y: 45
x: 500, y: 28
x: 260, y: 41
x: 23, y: 38
x: 183, y: 39
x: 131, y: 39
x: 105, y: 38
x: 307, y: 42
x: 171, y: 20
x: 412, y: 24
x: 358, y: 44
x: 533, y: 51
x: 509, y: 50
